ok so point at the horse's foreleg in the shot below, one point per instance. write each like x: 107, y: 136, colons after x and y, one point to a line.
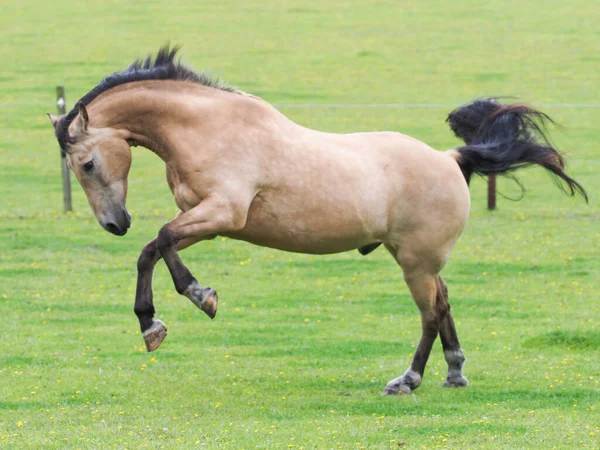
x: 424, y: 290
x: 212, y: 216
x: 154, y: 331
x: 452, y: 352
x: 144, y: 308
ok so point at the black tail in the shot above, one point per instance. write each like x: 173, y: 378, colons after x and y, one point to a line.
x: 501, y: 138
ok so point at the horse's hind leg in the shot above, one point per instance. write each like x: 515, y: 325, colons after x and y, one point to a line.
x: 424, y: 288
x: 431, y: 296
x: 452, y: 352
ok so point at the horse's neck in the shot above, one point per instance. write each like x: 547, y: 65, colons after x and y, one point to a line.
x: 152, y: 116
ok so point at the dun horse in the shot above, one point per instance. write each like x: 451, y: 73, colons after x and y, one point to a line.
x: 239, y: 168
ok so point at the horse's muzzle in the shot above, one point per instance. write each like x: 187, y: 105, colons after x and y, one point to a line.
x: 118, y: 225
x: 115, y: 229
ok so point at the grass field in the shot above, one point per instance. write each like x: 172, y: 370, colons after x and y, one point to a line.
x: 302, y: 345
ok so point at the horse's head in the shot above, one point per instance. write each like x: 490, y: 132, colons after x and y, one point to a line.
x: 100, y: 158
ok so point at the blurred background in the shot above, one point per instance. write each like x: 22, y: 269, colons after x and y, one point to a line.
x: 302, y: 345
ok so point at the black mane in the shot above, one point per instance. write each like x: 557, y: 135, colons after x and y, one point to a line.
x: 164, y: 67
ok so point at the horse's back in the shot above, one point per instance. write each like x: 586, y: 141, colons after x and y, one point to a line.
x: 326, y: 193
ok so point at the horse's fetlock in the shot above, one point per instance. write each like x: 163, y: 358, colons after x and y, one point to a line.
x: 454, y: 358
x: 411, y: 379
x: 146, y: 310
x: 182, y: 288
x: 145, y: 316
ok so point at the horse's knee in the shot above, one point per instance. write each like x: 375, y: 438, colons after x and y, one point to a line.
x: 165, y: 239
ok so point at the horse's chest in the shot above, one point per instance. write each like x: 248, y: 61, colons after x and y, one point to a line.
x: 185, y: 197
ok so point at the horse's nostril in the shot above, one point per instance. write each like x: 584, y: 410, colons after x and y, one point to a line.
x: 113, y: 228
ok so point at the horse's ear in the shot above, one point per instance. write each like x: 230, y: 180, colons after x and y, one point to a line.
x: 53, y: 119
x: 82, y: 120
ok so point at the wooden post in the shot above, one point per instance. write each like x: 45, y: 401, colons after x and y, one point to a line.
x: 66, y: 175
x: 492, y: 191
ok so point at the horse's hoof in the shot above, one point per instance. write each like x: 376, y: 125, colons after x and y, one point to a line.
x: 396, y: 390
x: 154, y: 335
x: 456, y: 382
x: 404, y: 384
x: 204, y: 298
x: 210, y: 302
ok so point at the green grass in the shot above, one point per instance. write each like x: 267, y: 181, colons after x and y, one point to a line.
x: 302, y: 345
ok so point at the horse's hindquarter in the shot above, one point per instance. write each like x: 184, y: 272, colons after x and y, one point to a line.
x: 327, y: 193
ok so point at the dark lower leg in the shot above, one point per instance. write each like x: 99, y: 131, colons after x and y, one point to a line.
x: 144, y: 308
x: 204, y: 298
x: 452, y: 352
x: 165, y: 243
x: 411, y: 379
x: 430, y: 295
x: 429, y: 333
x: 154, y: 331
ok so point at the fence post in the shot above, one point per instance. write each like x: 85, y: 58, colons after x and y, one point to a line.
x: 492, y: 191
x: 66, y: 175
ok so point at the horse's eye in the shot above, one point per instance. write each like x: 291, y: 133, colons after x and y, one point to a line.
x: 88, y: 166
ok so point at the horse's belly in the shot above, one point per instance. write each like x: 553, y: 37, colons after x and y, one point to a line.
x: 314, y: 243
x: 310, y: 226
